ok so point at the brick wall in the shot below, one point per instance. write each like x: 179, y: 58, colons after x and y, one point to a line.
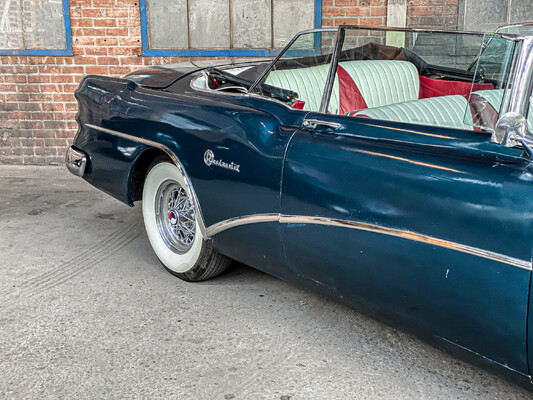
x: 354, y: 12
x: 37, y: 106
x: 432, y: 13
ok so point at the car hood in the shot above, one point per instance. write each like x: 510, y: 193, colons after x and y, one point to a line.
x: 161, y: 76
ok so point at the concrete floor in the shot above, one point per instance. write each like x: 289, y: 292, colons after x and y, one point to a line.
x: 88, y: 312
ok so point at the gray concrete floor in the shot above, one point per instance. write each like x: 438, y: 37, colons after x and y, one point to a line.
x: 88, y: 312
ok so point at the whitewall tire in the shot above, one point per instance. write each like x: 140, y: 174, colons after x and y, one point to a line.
x: 173, y: 228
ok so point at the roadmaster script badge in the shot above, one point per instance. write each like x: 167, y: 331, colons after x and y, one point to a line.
x: 209, y: 159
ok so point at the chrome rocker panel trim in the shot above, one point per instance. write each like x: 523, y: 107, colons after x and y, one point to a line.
x: 177, y: 162
x: 417, y: 237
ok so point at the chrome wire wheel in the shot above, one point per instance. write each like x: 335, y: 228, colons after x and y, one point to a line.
x: 175, y: 217
x: 172, y: 223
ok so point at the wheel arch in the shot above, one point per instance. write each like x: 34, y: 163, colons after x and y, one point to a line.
x: 140, y: 170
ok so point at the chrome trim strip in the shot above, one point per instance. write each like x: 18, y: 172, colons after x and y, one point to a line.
x: 238, y: 221
x: 417, y: 237
x: 188, y: 187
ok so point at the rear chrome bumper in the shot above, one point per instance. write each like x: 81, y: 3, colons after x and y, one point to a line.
x: 76, y: 161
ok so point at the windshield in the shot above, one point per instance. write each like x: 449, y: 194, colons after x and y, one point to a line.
x: 418, y: 76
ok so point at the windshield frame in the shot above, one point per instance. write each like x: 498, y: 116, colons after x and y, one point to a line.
x: 282, y: 52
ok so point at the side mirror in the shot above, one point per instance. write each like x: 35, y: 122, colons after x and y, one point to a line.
x: 510, y: 130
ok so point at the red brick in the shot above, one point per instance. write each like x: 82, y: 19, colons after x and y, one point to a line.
x: 95, y: 51
x: 45, y: 69
x: 346, y: 3
x: 421, y: 11
x: 84, y: 60
x: 104, y: 22
x: 93, y: 13
x: 117, y: 32
x: 38, y: 78
x: 357, y: 11
x: 119, y: 70
x: 117, y: 13
x: 333, y: 12
x: 62, y: 78
x: 131, y: 61
x: 91, y: 70
x: 8, y: 87
x: 81, y: 22
x: 49, y: 88
x: 71, y: 69
x: 378, y: 11
x: 15, y: 78
x: 106, y: 41
x: 371, y: 21
x: 104, y: 3
x: 346, y: 21
x: 119, y: 51
x: 93, y: 32
x: 63, y: 97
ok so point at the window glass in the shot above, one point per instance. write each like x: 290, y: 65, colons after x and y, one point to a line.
x: 222, y: 27
x: 299, y: 76
x: 492, y: 66
x: 413, y: 76
x: 34, y: 27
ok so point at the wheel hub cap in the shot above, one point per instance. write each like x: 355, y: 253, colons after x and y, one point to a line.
x: 173, y: 216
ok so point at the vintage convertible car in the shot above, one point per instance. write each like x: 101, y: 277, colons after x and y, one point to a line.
x: 388, y: 169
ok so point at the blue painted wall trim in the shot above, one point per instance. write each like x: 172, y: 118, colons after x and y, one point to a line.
x: 146, y: 51
x: 67, y: 51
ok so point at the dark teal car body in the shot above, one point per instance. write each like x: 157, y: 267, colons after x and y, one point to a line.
x: 427, y: 228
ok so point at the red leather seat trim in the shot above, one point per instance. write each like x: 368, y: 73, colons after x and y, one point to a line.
x: 430, y: 87
x: 350, y: 98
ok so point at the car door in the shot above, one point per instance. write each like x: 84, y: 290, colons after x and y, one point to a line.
x: 431, y: 226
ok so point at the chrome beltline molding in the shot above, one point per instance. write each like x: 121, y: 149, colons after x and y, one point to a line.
x: 362, y: 226
x: 189, y: 188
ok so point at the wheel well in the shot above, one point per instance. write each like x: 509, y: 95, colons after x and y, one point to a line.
x: 140, y: 169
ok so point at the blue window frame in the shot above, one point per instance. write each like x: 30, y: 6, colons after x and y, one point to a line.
x: 146, y: 51
x: 67, y: 51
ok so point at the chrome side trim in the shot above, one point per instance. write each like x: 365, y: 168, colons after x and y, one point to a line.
x: 188, y: 187
x: 238, y: 221
x: 341, y: 223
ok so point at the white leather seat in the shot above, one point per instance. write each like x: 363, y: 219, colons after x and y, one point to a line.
x: 380, y: 82
x: 383, y: 82
x: 447, y: 111
x: 309, y: 83
x: 495, y: 97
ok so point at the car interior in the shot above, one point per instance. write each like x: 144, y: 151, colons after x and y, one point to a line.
x: 440, y: 79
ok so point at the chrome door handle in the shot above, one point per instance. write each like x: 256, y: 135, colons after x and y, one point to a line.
x: 313, y: 123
